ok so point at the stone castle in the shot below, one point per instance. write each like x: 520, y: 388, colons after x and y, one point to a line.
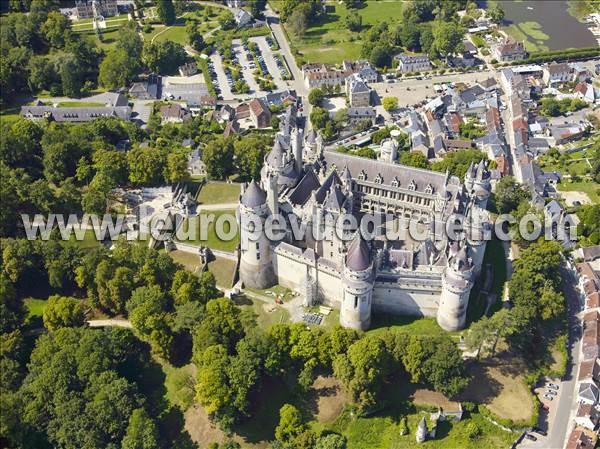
x: 302, y: 181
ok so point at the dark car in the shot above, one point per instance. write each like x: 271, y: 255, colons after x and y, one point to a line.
x: 540, y: 431
x: 530, y: 437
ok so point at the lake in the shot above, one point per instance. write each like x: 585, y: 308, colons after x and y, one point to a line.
x: 544, y: 25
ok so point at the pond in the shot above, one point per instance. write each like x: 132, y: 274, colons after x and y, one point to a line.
x: 544, y: 25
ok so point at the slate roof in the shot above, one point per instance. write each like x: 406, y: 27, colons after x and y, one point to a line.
x: 358, y: 257
x: 75, y: 115
x: 301, y: 193
x: 253, y: 195
x: 388, y: 171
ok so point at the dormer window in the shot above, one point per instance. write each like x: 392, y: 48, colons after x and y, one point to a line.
x: 429, y: 189
x: 395, y: 182
x: 412, y: 185
x: 362, y: 175
x: 378, y: 179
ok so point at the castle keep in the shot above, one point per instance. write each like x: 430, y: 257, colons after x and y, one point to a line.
x: 304, y: 183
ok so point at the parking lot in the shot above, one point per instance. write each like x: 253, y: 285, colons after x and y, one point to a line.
x: 258, y: 68
x: 548, y: 394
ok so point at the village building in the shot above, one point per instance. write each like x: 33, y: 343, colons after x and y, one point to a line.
x: 416, y: 63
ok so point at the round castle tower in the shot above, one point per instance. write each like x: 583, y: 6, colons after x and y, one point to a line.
x: 457, y: 282
x: 357, y: 280
x: 256, y: 267
x: 477, y: 182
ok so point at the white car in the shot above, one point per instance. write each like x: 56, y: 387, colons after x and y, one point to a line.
x: 548, y: 397
x: 551, y: 392
x: 552, y: 386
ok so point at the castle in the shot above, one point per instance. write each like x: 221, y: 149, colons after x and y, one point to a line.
x: 303, y: 182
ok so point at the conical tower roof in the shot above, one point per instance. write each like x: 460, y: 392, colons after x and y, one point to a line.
x: 253, y: 195
x: 358, y: 257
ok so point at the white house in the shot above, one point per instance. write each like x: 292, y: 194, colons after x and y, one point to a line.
x: 556, y: 74
x: 417, y: 63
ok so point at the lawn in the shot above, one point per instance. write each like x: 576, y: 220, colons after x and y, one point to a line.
x: 410, y: 325
x: 531, y: 34
x: 219, y: 193
x: 180, y: 384
x: 329, y: 40
x: 223, y: 269
x: 80, y: 104
x: 209, y: 237
x: 89, y: 240
x: 266, y: 314
x: 109, y: 38
x: 591, y: 188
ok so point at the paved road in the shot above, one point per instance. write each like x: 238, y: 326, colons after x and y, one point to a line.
x: 561, y: 418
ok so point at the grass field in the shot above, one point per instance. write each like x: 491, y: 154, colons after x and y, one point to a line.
x: 180, y: 383
x: 223, y: 269
x: 410, y: 325
x: 209, y: 237
x: 266, y: 314
x: 89, y: 241
x: 591, y: 188
x: 79, y: 104
x: 219, y: 193
x: 531, y: 34
x: 329, y: 41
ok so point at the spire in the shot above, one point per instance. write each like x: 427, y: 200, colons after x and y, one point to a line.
x: 253, y: 195
x: 358, y: 257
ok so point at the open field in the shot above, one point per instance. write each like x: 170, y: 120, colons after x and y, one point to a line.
x: 407, y: 324
x: 180, y: 383
x: 500, y: 386
x: 80, y: 104
x: 266, y: 313
x: 223, y: 269
x: 590, y: 188
x: 531, y: 34
x: 219, y: 193
x: 330, y: 41
x: 209, y: 237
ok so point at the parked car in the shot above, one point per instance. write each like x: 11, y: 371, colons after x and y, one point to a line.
x: 552, y: 386
x: 548, y: 397
x: 551, y: 392
x: 540, y: 431
x: 530, y: 437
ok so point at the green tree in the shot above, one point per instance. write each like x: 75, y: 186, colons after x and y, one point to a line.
x: 164, y: 56
x: 55, y: 29
x: 353, y: 21
x: 62, y: 311
x: 495, y: 13
x: 221, y: 325
x: 12, y: 310
x: 217, y: 155
x: 414, y: 159
x: 316, y: 96
x: 319, y: 117
x: 390, y: 103
x: 146, y: 165
x: 249, y: 155
x: 509, y: 194
x: 176, y: 169
x: 458, y: 162
x: 290, y: 425
x: 142, y: 432
x: 195, y: 38
x: 118, y: 69
x: 298, y: 22
x: 165, y: 11
x: 380, y: 56
x: 331, y: 441
x: 447, y: 38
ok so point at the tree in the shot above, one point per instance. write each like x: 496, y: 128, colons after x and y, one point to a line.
x: 458, y: 162
x: 217, y: 155
x: 142, y: 432
x: 54, y: 29
x: 163, y: 57
x: 290, y: 425
x: 447, y: 38
x: 316, y: 97
x: 298, y: 22
x: 509, y: 194
x: 118, y: 69
x: 495, y: 13
x: 390, y: 103
x: 176, y: 169
x: 353, y: 21
x: 165, y: 11
x: 249, y: 155
x: 331, y: 441
x: 414, y: 159
x: 226, y: 20
x: 195, y: 38
x: 380, y: 56
x: 221, y: 325
x: 146, y: 165
x: 147, y: 313
x: 486, y: 332
x: 362, y: 370
x: 319, y: 117
x: 62, y: 311
x: 12, y: 310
